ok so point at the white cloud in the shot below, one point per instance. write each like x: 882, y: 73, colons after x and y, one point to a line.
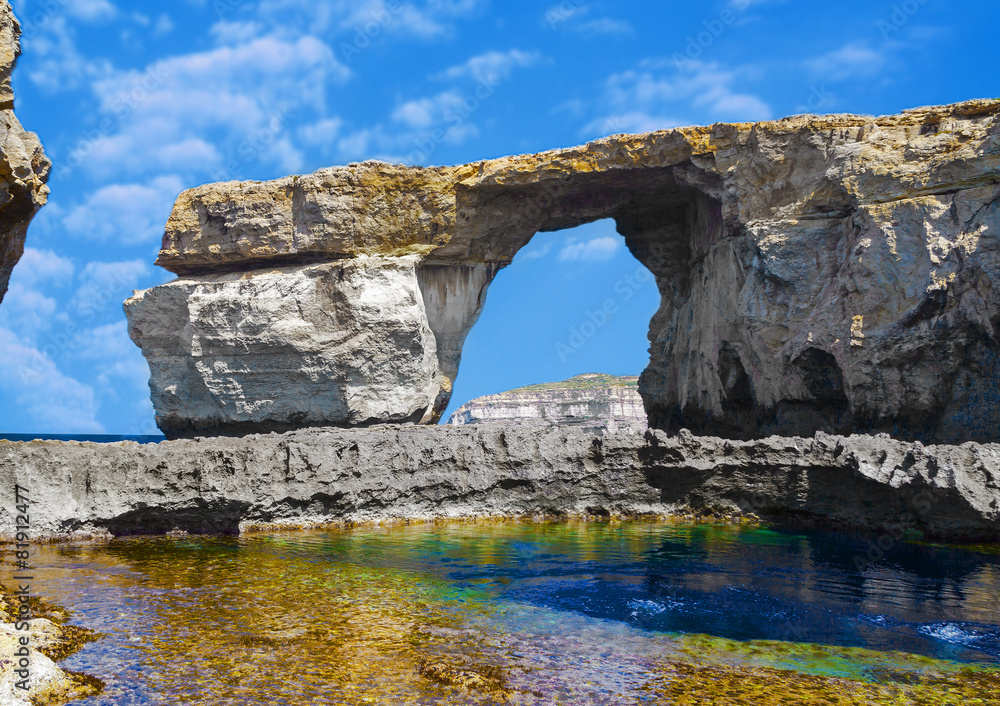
x: 593, y: 250
x: 39, y: 397
x: 26, y: 310
x: 209, y: 109
x: 56, y: 62
x: 606, y: 26
x: 107, y: 343
x: 122, y: 372
x: 534, y: 253
x: 425, y: 112
x: 444, y: 118
x: 631, y: 122
x: 90, y: 10
x: 235, y: 32
x: 493, y: 65
x: 126, y: 213
x: 42, y: 266
x: 373, y: 18
x: 164, y: 25
x: 573, y: 17
x: 356, y: 145
x: 849, y: 61
x: 107, y: 284
x: 652, y: 95
x: 322, y: 132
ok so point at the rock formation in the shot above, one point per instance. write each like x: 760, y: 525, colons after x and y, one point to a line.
x: 592, y: 400
x: 817, y: 273
x: 408, y: 472
x: 24, y: 168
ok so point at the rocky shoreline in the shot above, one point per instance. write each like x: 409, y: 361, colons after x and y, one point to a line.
x: 51, y: 640
x: 318, y: 477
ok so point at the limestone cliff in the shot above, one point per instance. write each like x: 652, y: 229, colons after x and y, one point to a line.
x: 831, y: 273
x: 592, y: 399
x: 24, y: 168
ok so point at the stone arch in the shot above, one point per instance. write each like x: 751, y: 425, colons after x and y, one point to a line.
x: 671, y: 220
x: 343, y: 297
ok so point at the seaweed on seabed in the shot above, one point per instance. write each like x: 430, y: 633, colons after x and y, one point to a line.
x: 686, y: 683
x: 487, y: 678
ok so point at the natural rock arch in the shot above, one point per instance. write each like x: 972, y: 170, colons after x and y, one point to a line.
x: 815, y: 273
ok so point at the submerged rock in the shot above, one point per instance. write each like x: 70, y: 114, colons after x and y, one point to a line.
x: 48, y: 641
x: 406, y: 473
x: 24, y: 168
x: 592, y: 399
x: 816, y: 273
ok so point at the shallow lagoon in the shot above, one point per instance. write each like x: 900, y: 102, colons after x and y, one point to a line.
x: 531, y: 613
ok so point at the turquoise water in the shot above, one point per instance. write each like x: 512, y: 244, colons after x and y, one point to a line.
x: 520, y: 613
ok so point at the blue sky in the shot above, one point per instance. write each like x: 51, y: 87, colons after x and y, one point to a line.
x: 135, y: 101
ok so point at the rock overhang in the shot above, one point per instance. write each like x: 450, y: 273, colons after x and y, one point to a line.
x: 802, y: 247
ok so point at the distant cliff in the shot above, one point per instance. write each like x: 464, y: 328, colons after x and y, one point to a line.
x: 584, y: 400
x: 24, y: 168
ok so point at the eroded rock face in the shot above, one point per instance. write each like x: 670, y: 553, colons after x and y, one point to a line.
x: 345, y: 342
x: 323, y: 476
x: 592, y: 400
x: 817, y: 273
x: 24, y: 168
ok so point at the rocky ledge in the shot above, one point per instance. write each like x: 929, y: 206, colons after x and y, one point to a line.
x: 24, y: 168
x: 389, y: 473
x: 592, y: 399
x: 828, y: 273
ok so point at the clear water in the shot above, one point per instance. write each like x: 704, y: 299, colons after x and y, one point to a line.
x: 566, y: 613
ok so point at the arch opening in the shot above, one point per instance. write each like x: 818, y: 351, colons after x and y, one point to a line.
x: 573, y: 301
x: 672, y: 223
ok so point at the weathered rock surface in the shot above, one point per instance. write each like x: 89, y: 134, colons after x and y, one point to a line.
x: 321, y: 476
x: 829, y: 273
x: 345, y: 341
x: 592, y: 399
x: 24, y: 168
